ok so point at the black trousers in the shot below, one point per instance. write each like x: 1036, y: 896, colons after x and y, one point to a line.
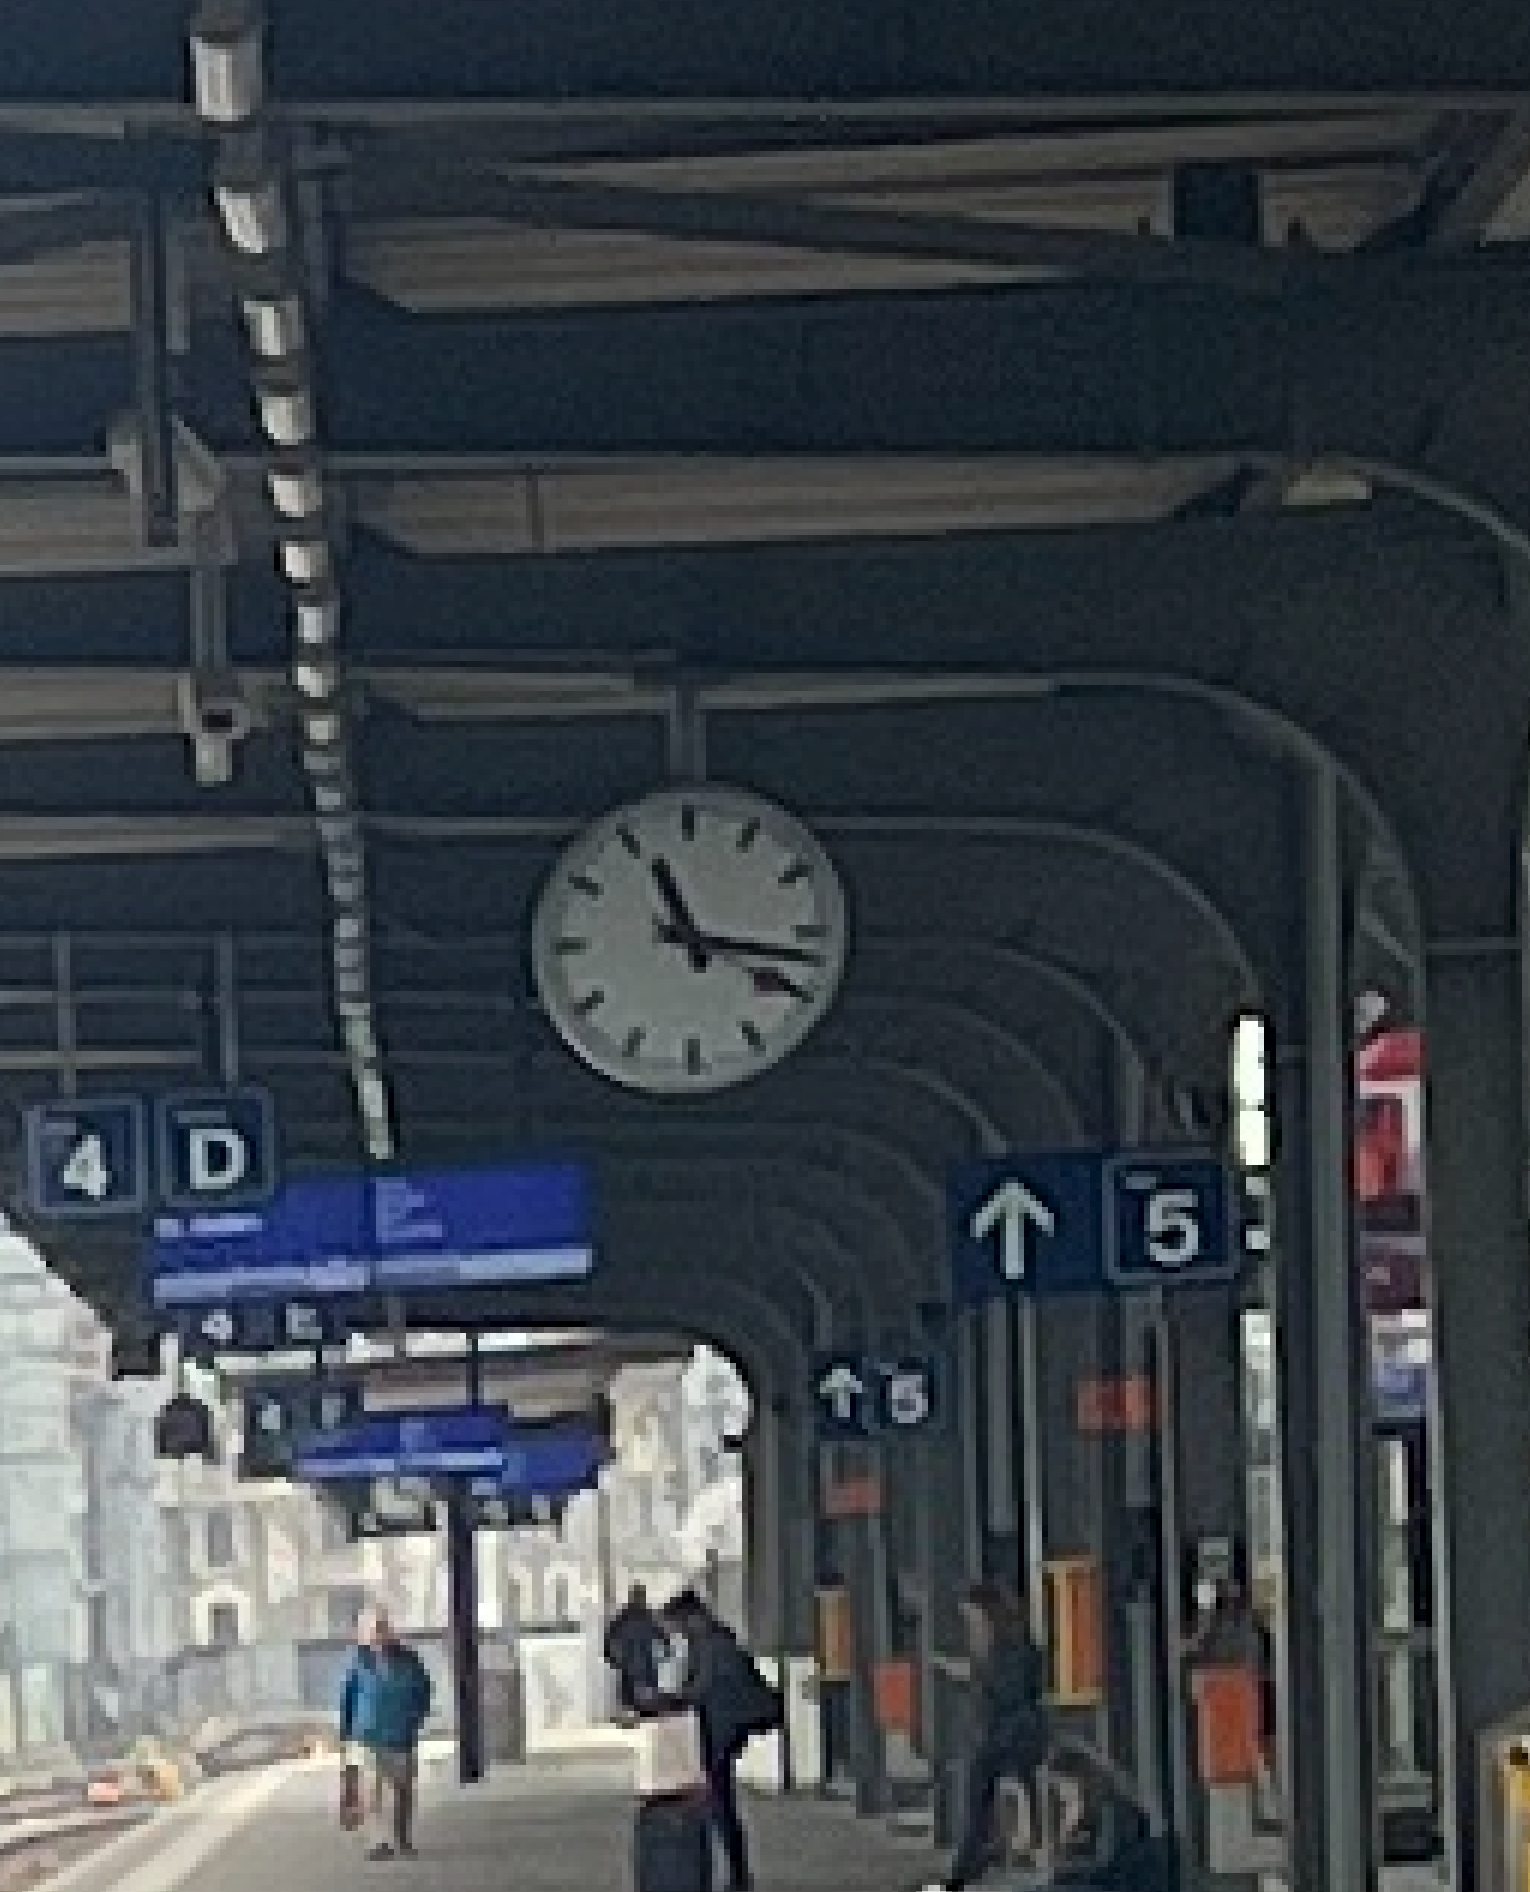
x: 722, y: 1781
x: 980, y: 1835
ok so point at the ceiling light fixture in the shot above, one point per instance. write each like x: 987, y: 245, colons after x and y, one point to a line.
x: 227, y: 65
x: 284, y: 400
x: 247, y: 189
x: 305, y: 560
x: 317, y: 678
x: 316, y: 615
x: 275, y: 325
x: 296, y: 486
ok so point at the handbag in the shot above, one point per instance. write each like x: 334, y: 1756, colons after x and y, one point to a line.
x: 668, y: 1757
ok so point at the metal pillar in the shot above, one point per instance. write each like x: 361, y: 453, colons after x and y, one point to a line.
x: 1327, y: 1684
x: 462, y: 1609
x: 1480, y: 1422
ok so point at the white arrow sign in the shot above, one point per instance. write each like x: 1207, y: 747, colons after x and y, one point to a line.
x: 1013, y: 1211
x: 219, y: 1327
x: 841, y: 1389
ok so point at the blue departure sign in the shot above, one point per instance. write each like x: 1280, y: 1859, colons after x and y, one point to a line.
x: 87, y: 1158
x: 494, y: 1226
x: 309, y: 1241
x: 449, y: 1442
x: 1083, y: 1222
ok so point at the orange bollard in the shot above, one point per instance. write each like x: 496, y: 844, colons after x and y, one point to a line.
x: 895, y: 1690
x: 1075, y: 1608
x: 836, y: 1634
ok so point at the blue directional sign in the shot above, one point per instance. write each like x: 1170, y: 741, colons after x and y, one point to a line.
x: 844, y: 1395
x: 1027, y: 1225
x: 552, y: 1461
x: 450, y: 1442
x: 1171, y: 1221
x: 512, y: 1223
x: 1083, y: 1222
x: 87, y: 1158
x: 215, y: 1150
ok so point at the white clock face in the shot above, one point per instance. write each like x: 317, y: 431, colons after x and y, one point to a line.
x: 690, y: 941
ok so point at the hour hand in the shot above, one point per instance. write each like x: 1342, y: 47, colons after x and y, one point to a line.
x: 682, y: 929
x: 728, y: 947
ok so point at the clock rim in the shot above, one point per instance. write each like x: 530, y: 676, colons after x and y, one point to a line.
x: 591, y: 841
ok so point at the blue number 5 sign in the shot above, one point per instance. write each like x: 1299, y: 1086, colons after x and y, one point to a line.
x: 1169, y: 1221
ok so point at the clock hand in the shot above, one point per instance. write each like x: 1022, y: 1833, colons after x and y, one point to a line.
x: 768, y: 982
x: 682, y: 929
x: 727, y: 947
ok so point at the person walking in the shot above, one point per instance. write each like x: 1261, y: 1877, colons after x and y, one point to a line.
x: 383, y: 1708
x: 1011, y: 1735
x: 633, y: 1641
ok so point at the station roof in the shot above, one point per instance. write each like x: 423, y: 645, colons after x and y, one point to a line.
x: 1017, y: 438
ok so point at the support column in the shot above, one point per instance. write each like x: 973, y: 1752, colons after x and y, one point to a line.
x: 1328, y: 1692
x: 462, y: 1628
x: 1480, y: 1294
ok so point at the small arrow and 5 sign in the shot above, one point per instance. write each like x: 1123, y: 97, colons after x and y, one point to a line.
x: 1084, y: 1222
x: 259, y: 1327
x: 856, y: 1397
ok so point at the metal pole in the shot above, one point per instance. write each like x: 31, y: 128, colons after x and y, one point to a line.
x: 786, y: 1580
x: 1171, y: 1561
x: 1331, y: 1283
x: 1028, y: 1416
x: 462, y: 1596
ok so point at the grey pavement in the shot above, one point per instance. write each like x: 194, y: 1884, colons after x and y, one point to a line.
x: 557, y: 1825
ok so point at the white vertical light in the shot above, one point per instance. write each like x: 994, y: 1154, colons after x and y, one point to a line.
x: 1249, y: 1076
x: 227, y: 67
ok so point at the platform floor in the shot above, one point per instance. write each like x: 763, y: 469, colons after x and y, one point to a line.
x: 560, y: 1824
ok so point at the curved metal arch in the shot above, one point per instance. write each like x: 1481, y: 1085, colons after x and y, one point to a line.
x: 808, y: 1153
x: 795, y: 1233
x: 686, y: 1193
x: 1086, y: 837
x: 679, y: 1176
x: 1008, y: 1047
x: 1021, y: 959
x: 795, y: 1081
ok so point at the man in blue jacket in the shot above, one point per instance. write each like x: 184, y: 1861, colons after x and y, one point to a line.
x: 383, y: 1708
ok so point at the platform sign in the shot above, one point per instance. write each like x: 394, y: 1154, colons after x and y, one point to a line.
x: 1082, y: 1222
x: 392, y: 1508
x: 87, y: 1158
x: 445, y: 1442
x: 498, y: 1510
x: 281, y: 1417
x: 1172, y: 1221
x: 215, y: 1150
x: 858, y: 1396
x: 908, y: 1394
x: 506, y: 1224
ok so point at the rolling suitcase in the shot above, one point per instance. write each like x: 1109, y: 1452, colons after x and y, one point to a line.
x: 672, y: 1850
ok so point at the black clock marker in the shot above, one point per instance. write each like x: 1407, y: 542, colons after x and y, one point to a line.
x: 591, y: 1002
x: 748, y: 835
x: 811, y: 929
x: 693, y: 1056
x: 565, y: 947
x: 586, y: 884
x: 753, y: 1036
x: 797, y: 872
x: 632, y: 1044
x: 630, y: 842
x: 687, y: 822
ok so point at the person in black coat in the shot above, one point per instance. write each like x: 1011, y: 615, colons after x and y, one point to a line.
x: 733, y: 1702
x: 634, y: 1638
x: 1010, y: 1733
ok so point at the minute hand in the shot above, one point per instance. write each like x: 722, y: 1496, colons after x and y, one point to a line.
x: 756, y: 949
